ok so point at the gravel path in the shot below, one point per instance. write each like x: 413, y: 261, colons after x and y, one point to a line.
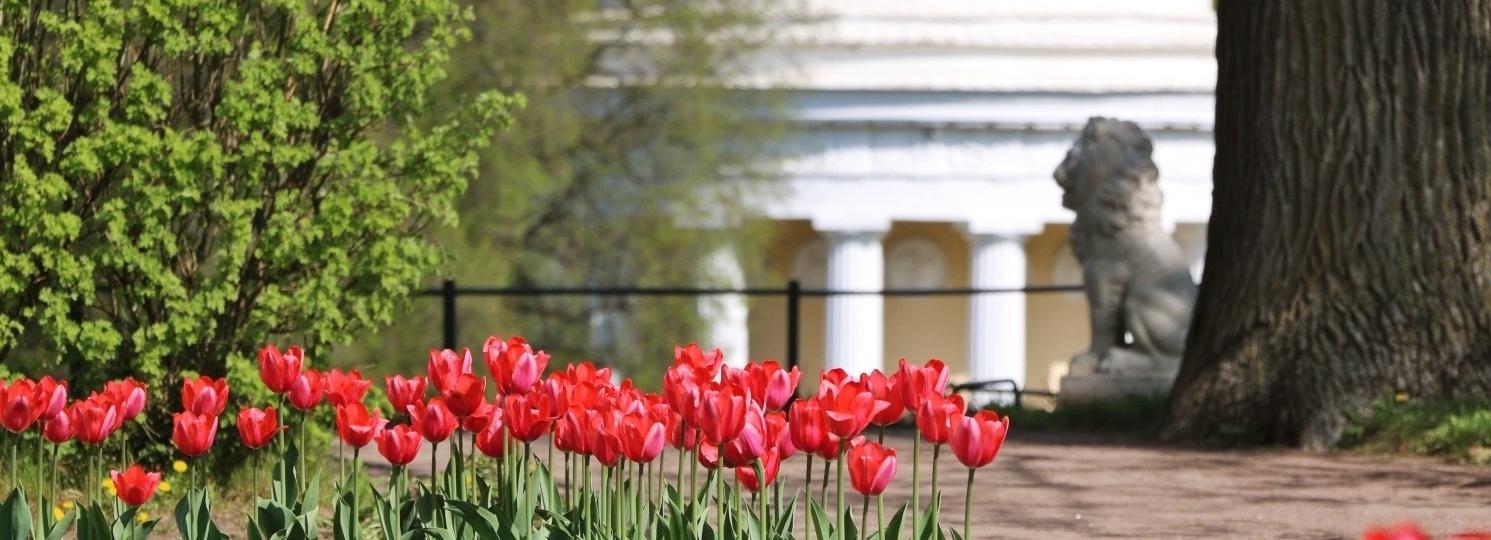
x: 1073, y: 487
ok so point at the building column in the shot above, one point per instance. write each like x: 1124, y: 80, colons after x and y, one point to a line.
x: 996, y: 321
x: 726, y: 314
x: 855, y: 329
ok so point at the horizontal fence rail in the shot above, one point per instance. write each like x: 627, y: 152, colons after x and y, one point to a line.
x: 449, y: 292
x: 747, y: 291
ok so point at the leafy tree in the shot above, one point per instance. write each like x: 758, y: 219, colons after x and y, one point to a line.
x: 182, y: 181
x: 1350, y: 230
x: 634, y: 138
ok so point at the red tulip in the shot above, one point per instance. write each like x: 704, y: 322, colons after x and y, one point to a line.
x: 528, y: 416
x: 778, y: 434
x: 514, y: 364
x: 484, y: 416
x: 51, y: 396
x: 404, y: 392
x: 829, y: 449
x: 709, y: 455
x: 204, y: 395
x: 193, y: 433
x: 831, y: 380
x: 466, y: 395
x: 642, y: 438
x: 134, y: 486
x: 128, y: 395
x: 976, y: 439
x: 704, y: 365
x: 918, y: 382
x: 356, y: 425
x: 604, y: 444
x: 19, y: 407
x: 279, y: 370
x: 849, y: 408
x: 445, y: 366
x: 307, y: 389
x: 95, y: 418
x: 750, y: 444
x: 59, y: 429
x: 770, y: 385
x: 884, y: 388
x: 721, y: 413
x: 682, y: 391
x: 936, y: 416
x: 572, y: 434
x: 806, y: 424
x: 399, y: 444
x: 257, y: 427
x: 871, y: 468
x: 343, y: 388
x: 492, y: 441
x: 433, y: 420
x: 680, y: 435
x: 587, y: 372
x: 1405, y: 531
x: 771, y: 464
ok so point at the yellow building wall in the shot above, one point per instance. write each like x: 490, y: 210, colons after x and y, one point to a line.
x: 919, y: 328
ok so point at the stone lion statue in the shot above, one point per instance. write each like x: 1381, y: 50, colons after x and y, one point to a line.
x: 1139, y: 288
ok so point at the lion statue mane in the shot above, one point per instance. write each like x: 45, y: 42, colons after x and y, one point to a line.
x: 1139, y: 288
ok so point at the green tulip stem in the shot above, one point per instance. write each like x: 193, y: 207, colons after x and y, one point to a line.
x: 760, y: 487
x: 586, y: 497
x: 936, y: 452
x: 967, y: 501
x: 434, y: 466
x: 880, y: 515
x: 807, y: 495
x: 638, y: 495
x: 839, y: 508
x: 719, y: 500
x: 823, y: 488
x: 355, y: 506
x: 864, y: 517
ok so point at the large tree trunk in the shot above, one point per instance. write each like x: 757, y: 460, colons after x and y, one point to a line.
x: 1348, y: 249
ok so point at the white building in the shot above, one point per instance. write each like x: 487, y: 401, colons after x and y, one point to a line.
x: 925, y: 137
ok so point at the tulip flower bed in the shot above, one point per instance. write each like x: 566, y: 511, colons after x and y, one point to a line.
x: 734, y: 428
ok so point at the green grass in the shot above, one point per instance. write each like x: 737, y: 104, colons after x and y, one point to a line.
x: 1137, y: 416
x: 1460, y: 429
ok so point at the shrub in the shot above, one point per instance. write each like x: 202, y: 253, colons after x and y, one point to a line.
x: 186, y: 180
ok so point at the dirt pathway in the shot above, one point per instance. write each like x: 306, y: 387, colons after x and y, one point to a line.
x: 1068, y: 487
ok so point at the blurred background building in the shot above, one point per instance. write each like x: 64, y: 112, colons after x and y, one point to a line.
x: 921, y: 141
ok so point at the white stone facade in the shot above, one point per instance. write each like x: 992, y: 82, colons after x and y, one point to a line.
x: 957, y: 111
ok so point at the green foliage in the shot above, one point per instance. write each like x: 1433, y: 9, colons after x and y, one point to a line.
x: 630, y: 132
x: 186, y: 180
x: 1131, y: 415
x: 1456, y: 429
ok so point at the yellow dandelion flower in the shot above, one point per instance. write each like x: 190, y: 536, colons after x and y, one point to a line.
x: 107, y: 483
x: 68, y: 505
x: 178, y: 466
x: 142, y: 517
x: 112, y: 491
x: 1401, y: 397
x: 164, y: 487
x: 57, y: 513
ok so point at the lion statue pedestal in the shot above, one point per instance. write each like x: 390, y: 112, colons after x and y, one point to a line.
x: 1139, y: 287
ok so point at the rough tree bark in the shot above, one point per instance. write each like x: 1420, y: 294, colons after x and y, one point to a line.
x: 1351, y: 223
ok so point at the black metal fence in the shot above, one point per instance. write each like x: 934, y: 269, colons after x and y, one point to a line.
x: 449, y: 294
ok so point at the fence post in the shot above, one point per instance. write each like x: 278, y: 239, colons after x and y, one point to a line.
x: 794, y: 305
x: 448, y: 299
